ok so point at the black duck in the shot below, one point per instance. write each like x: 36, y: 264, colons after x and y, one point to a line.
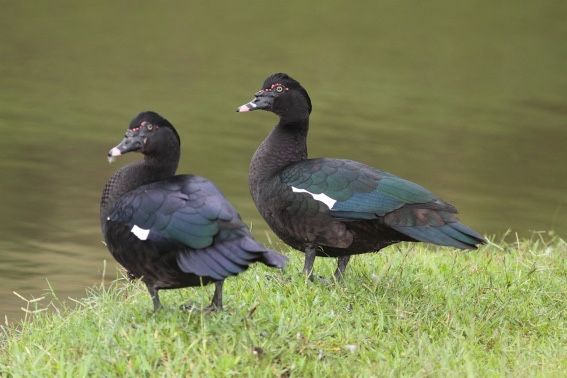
x: 335, y: 207
x: 172, y: 231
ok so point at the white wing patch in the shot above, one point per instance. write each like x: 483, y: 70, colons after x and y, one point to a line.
x: 141, y: 233
x: 318, y: 197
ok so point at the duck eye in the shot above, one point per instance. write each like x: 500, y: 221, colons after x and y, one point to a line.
x: 149, y: 126
x: 279, y: 89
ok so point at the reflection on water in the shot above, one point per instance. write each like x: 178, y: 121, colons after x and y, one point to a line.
x: 469, y: 102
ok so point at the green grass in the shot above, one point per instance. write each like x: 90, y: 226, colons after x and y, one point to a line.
x: 411, y: 310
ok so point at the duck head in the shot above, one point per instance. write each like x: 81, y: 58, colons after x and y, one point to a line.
x: 282, y: 95
x: 148, y: 133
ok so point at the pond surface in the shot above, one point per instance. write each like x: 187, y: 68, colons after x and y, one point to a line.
x: 469, y: 100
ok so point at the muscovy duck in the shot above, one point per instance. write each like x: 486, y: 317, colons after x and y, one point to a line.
x: 335, y: 207
x: 172, y: 231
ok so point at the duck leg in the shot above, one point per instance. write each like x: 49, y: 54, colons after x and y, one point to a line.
x: 310, y: 254
x: 342, y: 263
x: 216, y: 303
x: 155, y: 297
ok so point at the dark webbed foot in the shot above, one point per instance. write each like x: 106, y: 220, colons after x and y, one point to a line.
x: 194, y: 307
x: 216, y: 303
x: 320, y: 280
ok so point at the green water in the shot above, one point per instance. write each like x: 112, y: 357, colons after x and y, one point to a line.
x: 468, y: 99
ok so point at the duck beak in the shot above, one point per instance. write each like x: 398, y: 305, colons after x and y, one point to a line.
x: 262, y: 100
x: 128, y: 144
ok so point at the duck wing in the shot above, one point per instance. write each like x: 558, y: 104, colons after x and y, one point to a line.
x: 189, y: 215
x: 354, y: 191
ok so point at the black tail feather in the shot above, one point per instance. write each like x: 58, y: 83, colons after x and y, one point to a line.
x: 274, y: 259
x: 478, y: 238
x: 452, y: 234
x: 228, y: 258
x: 269, y: 257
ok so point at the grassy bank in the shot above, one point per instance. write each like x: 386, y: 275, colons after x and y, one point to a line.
x: 411, y: 310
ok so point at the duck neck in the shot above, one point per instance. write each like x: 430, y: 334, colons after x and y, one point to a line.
x: 155, y: 167
x: 163, y: 163
x: 285, y: 145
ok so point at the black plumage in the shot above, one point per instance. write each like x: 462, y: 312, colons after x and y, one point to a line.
x: 172, y: 231
x: 336, y: 207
